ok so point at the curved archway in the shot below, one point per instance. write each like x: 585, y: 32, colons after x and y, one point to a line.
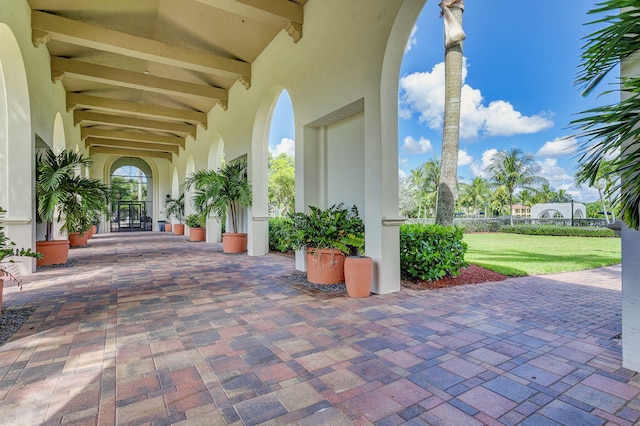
x: 131, y: 182
x: 215, y: 156
x: 382, y: 201
x: 258, y: 242
x: 550, y: 214
x: 188, y: 192
x: 281, y: 150
x: 59, y: 138
x: 17, y: 158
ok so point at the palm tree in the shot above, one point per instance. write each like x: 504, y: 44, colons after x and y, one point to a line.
x: 222, y: 190
x: 424, y: 180
x: 603, y: 180
x: 447, y: 191
x: 60, y: 189
x: 613, y: 131
x: 476, y: 194
x: 514, y: 169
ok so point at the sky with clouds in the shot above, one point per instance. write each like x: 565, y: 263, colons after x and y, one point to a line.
x: 520, y: 61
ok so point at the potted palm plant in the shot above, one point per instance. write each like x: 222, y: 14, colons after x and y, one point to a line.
x: 175, y: 208
x: 196, y: 224
x: 60, y: 192
x: 222, y: 191
x: 328, y: 236
x: 87, y: 199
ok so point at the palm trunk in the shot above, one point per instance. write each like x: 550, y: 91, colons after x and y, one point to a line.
x: 445, y: 201
x: 604, y: 207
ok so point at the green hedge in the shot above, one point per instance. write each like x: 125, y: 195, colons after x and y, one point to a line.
x: 280, y: 234
x: 430, y: 252
x: 558, y: 231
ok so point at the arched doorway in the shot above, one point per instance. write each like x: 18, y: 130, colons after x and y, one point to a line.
x: 131, y: 195
x: 17, y: 152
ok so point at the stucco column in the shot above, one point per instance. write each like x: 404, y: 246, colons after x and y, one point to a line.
x: 630, y: 298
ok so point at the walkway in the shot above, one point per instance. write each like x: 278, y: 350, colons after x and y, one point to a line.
x: 151, y: 329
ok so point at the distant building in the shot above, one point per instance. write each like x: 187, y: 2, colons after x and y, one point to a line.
x: 520, y: 210
x: 558, y: 211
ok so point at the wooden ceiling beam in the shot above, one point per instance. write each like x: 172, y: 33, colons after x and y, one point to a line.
x: 278, y: 13
x: 133, y: 80
x: 78, y: 100
x: 47, y: 27
x: 91, y: 132
x: 129, y: 152
x: 174, y: 149
x: 88, y: 117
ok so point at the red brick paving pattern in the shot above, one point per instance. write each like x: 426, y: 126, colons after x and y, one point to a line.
x: 152, y: 329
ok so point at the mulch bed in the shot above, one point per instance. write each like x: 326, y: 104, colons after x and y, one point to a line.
x: 472, y: 274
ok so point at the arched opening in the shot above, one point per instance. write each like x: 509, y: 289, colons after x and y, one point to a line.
x: 17, y: 148
x: 281, y: 158
x: 188, y: 192
x: 131, y: 181
x: 215, y: 159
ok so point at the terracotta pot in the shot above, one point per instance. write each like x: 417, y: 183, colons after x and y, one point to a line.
x: 358, y: 271
x: 167, y: 227
x: 77, y: 240
x: 197, y: 234
x: 234, y: 242
x: 178, y: 229
x: 93, y: 230
x: 53, y: 252
x: 325, y: 266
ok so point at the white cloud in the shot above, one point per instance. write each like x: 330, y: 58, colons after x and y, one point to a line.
x: 422, y: 93
x: 558, y: 147
x: 412, y: 39
x: 286, y: 146
x: 464, y: 159
x: 560, y: 178
x: 412, y: 146
x: 480, y: 169
x: 402, y: 174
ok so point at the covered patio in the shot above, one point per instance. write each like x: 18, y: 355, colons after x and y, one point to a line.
x: 153, y: 329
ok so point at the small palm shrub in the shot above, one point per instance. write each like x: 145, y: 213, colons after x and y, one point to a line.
x: 431, y: 252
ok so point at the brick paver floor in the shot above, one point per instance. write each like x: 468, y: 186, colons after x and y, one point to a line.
x: 152, y: 329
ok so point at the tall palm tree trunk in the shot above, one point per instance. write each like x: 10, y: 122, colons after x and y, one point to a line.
x: 446, y: 198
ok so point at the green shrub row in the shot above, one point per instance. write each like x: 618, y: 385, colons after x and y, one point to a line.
x: 427, y: 252
x: 430, y: 252
x: 558, y: 231
x: 280, y: 234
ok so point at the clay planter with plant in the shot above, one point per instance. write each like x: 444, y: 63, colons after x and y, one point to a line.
x: 86, y: 201
x: 196, y: 224
x: 175, y: 208
x: 8, y: 251
x: 328, y: 236
x: 64, y: 196
x: 224, y: 192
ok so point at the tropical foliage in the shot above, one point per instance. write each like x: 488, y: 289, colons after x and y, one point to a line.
x: 281, y: 182
x: 430, y: 252
x: 335, y: 227
x: 61, y: 192
x: 175, y: 208
x: 217, y: 192
x: 613, y: 131
x: 513, y: 169
x: 8, y: 251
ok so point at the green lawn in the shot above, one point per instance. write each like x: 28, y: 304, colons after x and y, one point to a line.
x: 518, y: 255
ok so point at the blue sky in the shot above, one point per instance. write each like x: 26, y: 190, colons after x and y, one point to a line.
x: 521, y: 58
